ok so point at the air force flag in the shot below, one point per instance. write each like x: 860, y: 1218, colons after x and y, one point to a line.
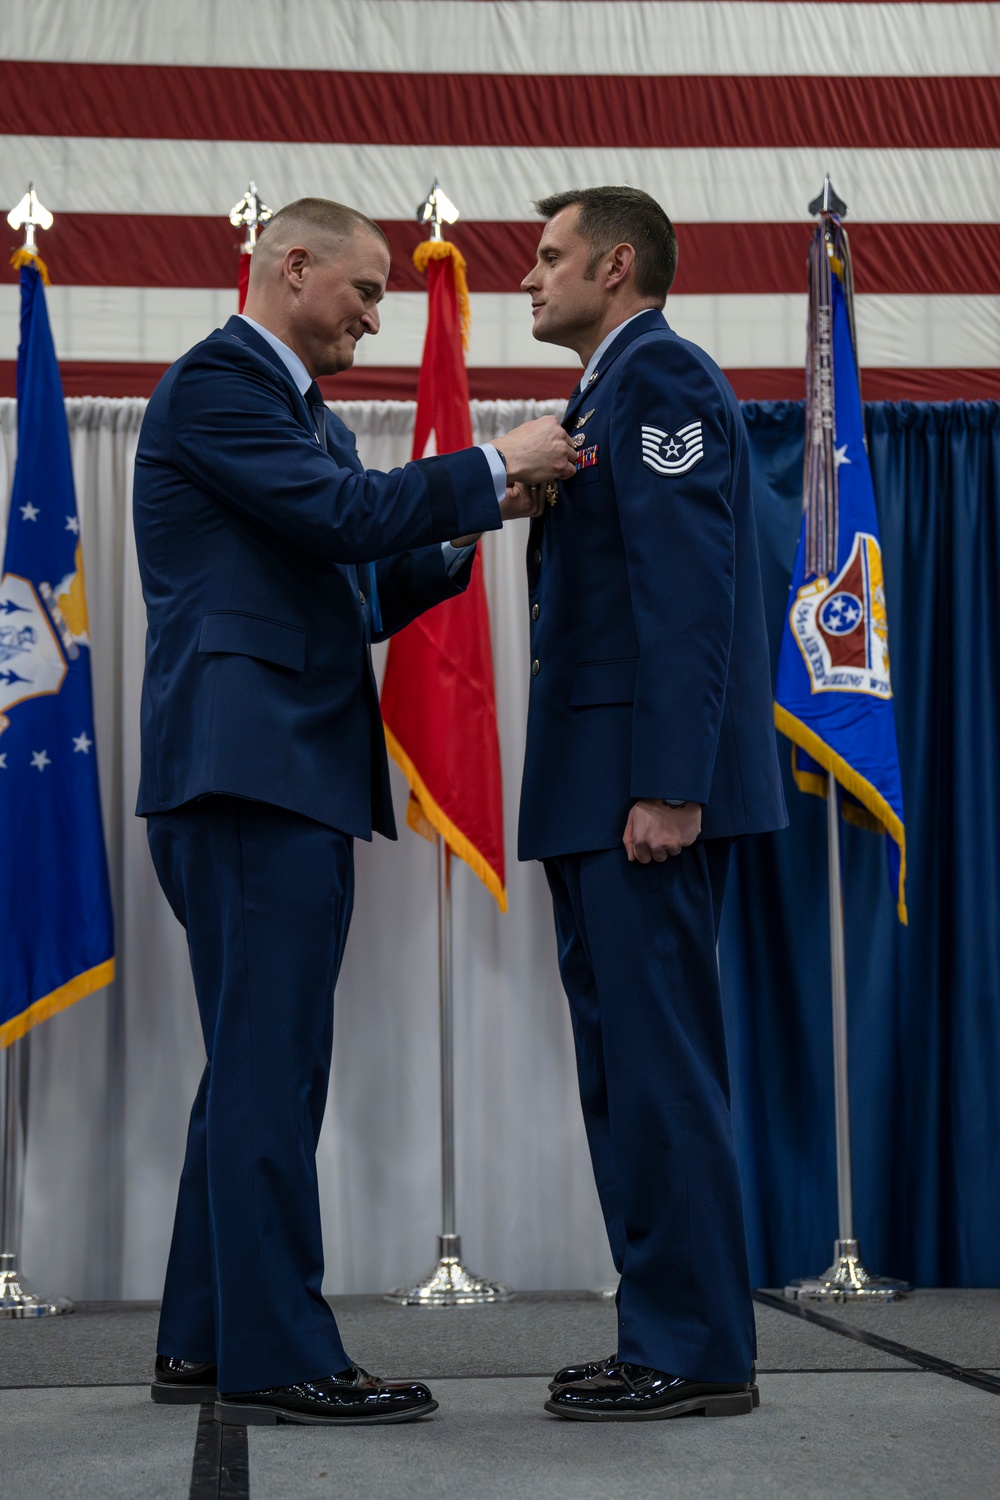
x: 833, y: 697
x: 56, y: 936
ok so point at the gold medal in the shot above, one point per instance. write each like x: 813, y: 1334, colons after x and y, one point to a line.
x: 551, y: 492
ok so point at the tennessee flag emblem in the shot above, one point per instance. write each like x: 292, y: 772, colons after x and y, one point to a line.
x: 841, y: 628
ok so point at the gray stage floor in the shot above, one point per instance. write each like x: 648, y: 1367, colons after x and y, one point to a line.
x: 840, y: 1412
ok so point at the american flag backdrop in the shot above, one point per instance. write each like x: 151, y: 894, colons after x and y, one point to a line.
x: 140, y: 123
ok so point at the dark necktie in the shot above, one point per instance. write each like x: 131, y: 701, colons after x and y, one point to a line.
x: 316, y: 404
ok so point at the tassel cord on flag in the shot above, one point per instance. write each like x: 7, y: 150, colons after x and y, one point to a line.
x: 15, y: 1300
x: 846, y: 1279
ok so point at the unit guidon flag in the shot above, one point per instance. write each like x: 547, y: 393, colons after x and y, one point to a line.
x: 833, y: 696
x: 56, y: 932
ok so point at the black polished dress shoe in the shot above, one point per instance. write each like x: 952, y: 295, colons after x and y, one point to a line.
x: 632, y: 1393
x: 182, y: 1382
x: 351, y: 1396
x: 571, y: 1374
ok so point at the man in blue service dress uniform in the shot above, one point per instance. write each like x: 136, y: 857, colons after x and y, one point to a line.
x: 270, y: 559
x: 650, y: 747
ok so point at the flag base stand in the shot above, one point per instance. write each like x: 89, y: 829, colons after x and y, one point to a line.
x: 16, y: 1302
x: 449, y: 1284
x: 846, y: 1281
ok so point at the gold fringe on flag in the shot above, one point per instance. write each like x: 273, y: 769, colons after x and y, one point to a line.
x: 426, y: 817
x: 429, y: 250
x: 24, y: 257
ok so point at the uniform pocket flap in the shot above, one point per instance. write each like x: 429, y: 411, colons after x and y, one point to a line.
x: 603, y: 682
x: 253, y: 635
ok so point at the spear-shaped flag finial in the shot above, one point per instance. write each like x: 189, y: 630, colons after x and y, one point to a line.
x: 437, y: 208
x: 827, y: 202
x: 30, y: 215
x: 251, y: 213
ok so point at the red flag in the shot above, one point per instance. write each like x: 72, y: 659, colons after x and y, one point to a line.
x: 438, y: 699
x: 244, y: 278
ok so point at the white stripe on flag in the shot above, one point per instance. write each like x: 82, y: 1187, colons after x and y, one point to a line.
x: 157, y: 324
x: 470, y: 36
x: 87, y: 174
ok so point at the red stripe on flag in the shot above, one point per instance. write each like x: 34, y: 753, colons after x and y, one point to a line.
x: 716, y: 259
x: 472, y: 109
x: 509, y: 383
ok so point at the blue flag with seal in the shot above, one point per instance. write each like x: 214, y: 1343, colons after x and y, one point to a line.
x: 833, y: 696
x: 56, y: 930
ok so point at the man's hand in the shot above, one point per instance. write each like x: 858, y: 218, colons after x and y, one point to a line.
x: 654, y: 831
x: 522, y: 500
x: 537, y: 451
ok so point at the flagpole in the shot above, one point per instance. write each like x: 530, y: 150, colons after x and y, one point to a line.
x: 15, y: 1300
x: 449, y: 1283
x: 846, y: 1278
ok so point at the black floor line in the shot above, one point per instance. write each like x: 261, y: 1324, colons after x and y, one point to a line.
x: 981, y: 1381
x: 220, y: 1469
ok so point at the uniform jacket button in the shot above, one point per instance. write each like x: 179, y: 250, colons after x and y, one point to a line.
x: 535, y: 665
x: 361, y: 596
x: 534, y: 611
x: 537, y: 555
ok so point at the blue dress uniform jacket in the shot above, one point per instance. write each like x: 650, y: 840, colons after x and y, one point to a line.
x: 649, y: 659
x: 258, y: 677
x: 650, y: 679
x: 262, y: 757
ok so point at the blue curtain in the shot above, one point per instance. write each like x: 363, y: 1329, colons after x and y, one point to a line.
x: 923, y: 1001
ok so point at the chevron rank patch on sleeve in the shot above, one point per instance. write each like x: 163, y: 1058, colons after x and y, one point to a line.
x: 672, y: 453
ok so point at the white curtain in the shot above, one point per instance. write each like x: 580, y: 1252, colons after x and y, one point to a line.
x: 112, y: 1078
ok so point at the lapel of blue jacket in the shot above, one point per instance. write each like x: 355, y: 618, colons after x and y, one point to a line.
x: 338, y: 439
x: 646, y: 322
x: 239, y: 329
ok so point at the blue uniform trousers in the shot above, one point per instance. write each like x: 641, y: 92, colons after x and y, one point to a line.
x: 637, y: 956
x: 266, y: 897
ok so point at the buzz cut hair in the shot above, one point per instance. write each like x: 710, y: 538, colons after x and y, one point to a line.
x: 322, y: 214
x: 611, y: 216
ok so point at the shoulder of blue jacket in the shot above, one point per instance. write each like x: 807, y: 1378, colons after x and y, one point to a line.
x: 662, y: 355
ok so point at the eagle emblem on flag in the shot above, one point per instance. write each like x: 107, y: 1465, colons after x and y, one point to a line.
x: 672, y: 452
x: 31, y: 662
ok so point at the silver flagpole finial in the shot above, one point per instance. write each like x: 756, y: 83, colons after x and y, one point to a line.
x: 251, y: 214
x: 437, y: 208
x: 31, y: 215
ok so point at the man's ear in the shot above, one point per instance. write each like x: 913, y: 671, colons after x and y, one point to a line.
x: 620, y: 263
x: 294, y: 264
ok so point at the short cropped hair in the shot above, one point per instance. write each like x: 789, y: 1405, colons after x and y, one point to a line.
x: 612, y: 216
x: 322, y: 214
